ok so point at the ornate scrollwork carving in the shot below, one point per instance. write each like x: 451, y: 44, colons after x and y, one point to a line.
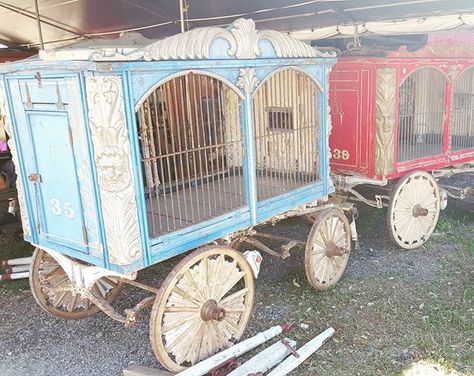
x: 113, y: 161
x: 243, y: 41
x: 247, y: 80
x: 11, y: 144
x: 385, y: 121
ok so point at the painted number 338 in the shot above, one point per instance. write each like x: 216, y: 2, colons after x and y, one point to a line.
x: 341, y: 154
x: 65, y: 209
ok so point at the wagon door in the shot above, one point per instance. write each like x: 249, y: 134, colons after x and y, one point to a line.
x: 50, y: 164
x: 55, y: 179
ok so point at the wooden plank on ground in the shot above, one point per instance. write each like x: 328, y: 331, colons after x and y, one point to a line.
x: 145, y: 371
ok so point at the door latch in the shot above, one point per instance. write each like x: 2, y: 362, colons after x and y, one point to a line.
x: 35, y: 178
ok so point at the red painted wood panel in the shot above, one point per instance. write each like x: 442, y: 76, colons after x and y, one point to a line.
x: 352, y: 101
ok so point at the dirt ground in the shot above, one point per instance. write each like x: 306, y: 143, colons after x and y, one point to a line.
x: 391, y: 309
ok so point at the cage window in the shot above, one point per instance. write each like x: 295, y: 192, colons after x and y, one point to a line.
x: 280, y: 118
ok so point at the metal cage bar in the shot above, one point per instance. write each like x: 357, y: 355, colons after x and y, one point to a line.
x: 422, y: 110
x: 286, y: 130
x: 462, y: 123
x: 192, y: 152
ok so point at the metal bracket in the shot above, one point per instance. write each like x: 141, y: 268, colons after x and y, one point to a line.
x: 458, y: 192
x: 34, y: 178
x: 377, y: 203
x: 38, y: 78
x: 292, y: 350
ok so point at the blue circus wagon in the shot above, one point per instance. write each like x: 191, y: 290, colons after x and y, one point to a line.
x: 131, y: 154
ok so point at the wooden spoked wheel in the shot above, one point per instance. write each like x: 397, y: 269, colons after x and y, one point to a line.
x: 327, y: 249
x: 48, y: 282
x: 413, y: 210
x: 203, y: 306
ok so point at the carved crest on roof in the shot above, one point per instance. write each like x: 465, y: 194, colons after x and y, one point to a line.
x: 241, y: 40
x: 242, y: 37
x: 438, y: 49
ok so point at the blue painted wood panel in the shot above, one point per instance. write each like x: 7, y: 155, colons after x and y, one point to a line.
x: 57, y: 198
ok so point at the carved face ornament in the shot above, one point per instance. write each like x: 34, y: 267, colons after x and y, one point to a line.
x: 386, y: 122
x: 112, y: 166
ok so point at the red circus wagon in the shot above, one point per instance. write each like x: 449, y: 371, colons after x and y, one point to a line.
x: 400, y: 123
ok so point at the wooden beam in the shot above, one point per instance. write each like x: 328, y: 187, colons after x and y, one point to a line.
x: 145, y: 371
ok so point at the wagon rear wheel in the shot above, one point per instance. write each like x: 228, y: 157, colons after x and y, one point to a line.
x: 49, y: 284
x: 203, y: 306
x: 413, y: 210
x: 327, y: 249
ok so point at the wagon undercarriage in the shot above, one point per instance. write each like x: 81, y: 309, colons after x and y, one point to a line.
x: 210, y: 289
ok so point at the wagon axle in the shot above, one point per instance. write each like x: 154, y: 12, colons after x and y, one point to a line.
x: 419, y: 211
x: 211, y: 311
x: 333, y: 250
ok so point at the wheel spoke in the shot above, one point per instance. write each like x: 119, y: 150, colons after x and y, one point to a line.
x: 191, y: 354
x: 319, y: 242
x: 72, y: 303
x: 318, y: 267
x: 57, y: 300
x: 236, y: 297
x: 174, y: 337
x: 182, y: 309
x: 220, y: 337
x: 186, y: 296
x: 318, y: 257
x: 232, y: 277
x: 189, y: 283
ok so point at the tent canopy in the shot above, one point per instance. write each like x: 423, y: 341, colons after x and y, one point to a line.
x: 66, y: 21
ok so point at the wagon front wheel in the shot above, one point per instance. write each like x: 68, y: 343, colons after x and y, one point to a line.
x: 327, y: 249
x: 52, y: 289
x: 202, y: 307
x: 413, y: 210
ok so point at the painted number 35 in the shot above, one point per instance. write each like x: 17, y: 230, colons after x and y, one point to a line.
x: 341, y: 154
x: 65, y: 209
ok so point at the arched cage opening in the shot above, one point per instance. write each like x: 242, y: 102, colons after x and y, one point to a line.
x: 462, y: 124
x: 192, y: 152
x: 421, y: 114
x: 286, y: 133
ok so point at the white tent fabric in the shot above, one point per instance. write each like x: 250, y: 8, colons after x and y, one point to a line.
x: 408, y: 26
x: 67, y: 21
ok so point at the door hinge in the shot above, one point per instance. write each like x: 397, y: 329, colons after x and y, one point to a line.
x: 84, y: 235
x: 70, y: 135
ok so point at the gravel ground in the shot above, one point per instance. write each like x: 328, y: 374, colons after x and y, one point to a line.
x: 386, y: 310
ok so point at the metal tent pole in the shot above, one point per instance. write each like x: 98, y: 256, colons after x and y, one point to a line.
x: 38, y: 23
x: 181, y: 14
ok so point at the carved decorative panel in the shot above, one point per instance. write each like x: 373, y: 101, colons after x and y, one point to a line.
x: 11, y: 144
x: 385, y: 120
x: 114, y: 168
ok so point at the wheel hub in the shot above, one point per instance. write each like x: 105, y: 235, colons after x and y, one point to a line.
x: 333, y: 250
x: 419, y: 211
x: 211, y: 311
